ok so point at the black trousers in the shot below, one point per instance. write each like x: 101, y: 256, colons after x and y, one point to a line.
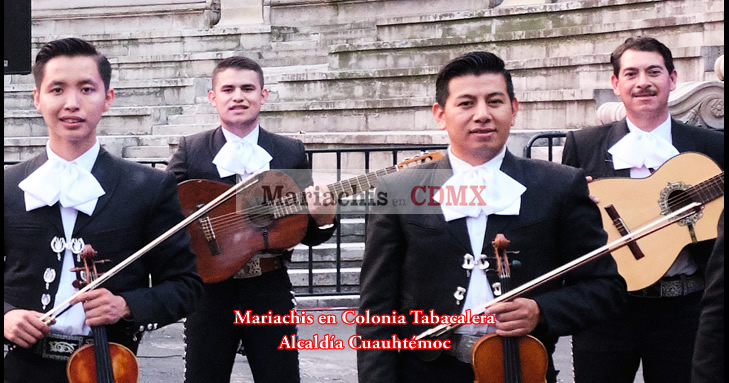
x: 22, y: 366
x: 211, y: 338
x: 660, y: 332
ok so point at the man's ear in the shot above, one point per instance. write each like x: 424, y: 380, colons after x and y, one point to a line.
x: 614, y: 81
x: 439, y: 116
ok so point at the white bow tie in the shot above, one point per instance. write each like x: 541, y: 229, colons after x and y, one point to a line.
x: 62, y: 181
x: 479, y: 190
x: 641, y: 149
x: 241, y: 157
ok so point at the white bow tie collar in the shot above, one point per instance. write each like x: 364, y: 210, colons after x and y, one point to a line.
x: 241, y: 157
x: 640, y: 149
x: 64, y: 182
x: 480, y: 190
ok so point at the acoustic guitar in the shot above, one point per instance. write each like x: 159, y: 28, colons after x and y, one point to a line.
x: 269, y: 217
x: 627, y: 203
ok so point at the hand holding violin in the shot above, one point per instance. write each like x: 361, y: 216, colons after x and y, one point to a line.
x: 516, y: 318
x: 24, y: 327
x: 102, y: 307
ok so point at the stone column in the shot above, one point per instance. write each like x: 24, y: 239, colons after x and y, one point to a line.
x: 240, y: 12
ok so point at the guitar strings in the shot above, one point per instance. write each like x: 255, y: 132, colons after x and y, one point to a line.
x: 240, y: 217
x: 297, y: 203
x: 714, y: 183
x: 230, y: 221
x: 292, y: 204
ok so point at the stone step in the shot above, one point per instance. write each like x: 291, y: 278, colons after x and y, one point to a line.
x: 548, y: 18
x: 327, y: 12
x: 136, y: 120
x: 536, y: 74
x: 157, y: 92
x: 325, y: 280
x: 23, y: 148
x: 324, y: 255
x: 78, y: 18
x: 201, y: 64
x: 520, y: 44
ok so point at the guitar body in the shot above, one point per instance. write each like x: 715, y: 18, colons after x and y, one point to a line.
x: 241, y: 226
x: 641, y: 201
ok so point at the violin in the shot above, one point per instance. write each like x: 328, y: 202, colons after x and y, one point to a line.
x: 103, y: 361
x: 497, y: 359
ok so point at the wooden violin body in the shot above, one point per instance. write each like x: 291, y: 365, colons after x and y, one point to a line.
x: 487, y: 359
x: 497, y: 359
x: 81, y: 366
x: 103, y: 361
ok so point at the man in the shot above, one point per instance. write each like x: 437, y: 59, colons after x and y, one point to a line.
x: 655, y: 329
x: 76, y: 193
x: 422, y: 259
x: 234, y: 150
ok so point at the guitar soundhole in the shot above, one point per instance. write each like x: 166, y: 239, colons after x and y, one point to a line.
x: 678, y: 199
x: 675, y: 196
x: 261, y: 215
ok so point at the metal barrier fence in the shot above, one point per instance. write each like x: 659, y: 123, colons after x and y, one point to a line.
x: 396, y: 153
x: 551, y: 138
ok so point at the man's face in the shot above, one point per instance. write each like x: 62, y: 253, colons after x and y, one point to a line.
x: 72, y: 99
x: 238, y: 97
x: 644, y: 84
x: 477, y: 115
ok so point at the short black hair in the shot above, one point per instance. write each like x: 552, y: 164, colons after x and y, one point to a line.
x: 70, y: 47
x: 642, y: 44
x: 238, y: 62
x: 472, y: 63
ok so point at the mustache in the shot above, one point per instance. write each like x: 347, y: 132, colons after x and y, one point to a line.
x: 646, y: 92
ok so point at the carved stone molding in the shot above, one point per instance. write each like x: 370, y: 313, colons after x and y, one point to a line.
x: 719, y: 68
x: 698, y: 103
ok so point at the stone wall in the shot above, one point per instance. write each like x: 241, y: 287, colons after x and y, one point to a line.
x: 353, y: 73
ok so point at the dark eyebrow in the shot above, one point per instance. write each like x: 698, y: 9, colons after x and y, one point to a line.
x: 490, y: 95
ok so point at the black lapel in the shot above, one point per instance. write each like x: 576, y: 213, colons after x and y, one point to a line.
x: 217, y: 140
x: 498, y: 223
x: 457, y: 227
x: 265, y: 140
x: 681, y: 137
x: 108, y: 176
x: 618, y: 131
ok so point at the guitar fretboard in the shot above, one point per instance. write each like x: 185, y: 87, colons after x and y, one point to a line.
x: 708, y: 190
x: 345, y: 188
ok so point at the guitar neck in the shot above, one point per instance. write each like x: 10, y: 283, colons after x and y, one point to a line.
x: 359, y: 184
x: 345, y: 188
x: 708, y: 190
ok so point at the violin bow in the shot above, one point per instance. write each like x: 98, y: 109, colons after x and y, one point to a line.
x: 235, y: 189
x: 635, y: 235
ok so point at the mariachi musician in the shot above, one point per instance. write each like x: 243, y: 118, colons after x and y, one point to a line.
x: 424, y: 254
x: 76, y: 193
x: 236, y: 149
x: 658, y: 327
